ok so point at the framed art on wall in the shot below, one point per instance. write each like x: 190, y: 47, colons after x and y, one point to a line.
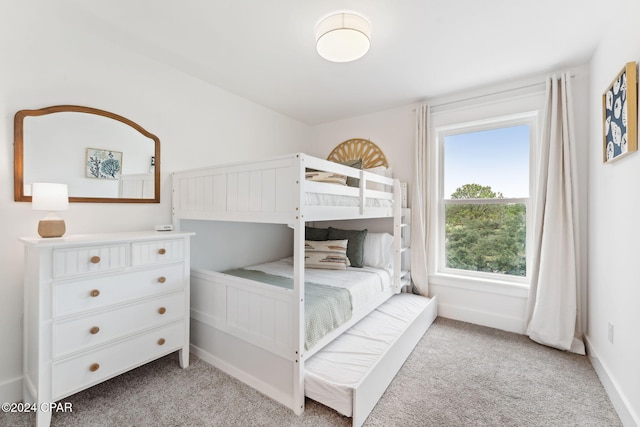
x: 620, y: 115
x: 103, y: 164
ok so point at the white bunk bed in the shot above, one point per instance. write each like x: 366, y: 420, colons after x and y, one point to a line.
x: 255, y: 331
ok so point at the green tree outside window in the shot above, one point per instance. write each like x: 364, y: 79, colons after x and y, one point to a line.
x: 485, y: 237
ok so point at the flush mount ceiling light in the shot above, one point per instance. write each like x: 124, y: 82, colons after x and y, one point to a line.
x: 343, y: 37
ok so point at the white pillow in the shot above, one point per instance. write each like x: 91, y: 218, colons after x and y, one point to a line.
x: 378, y: 250
x: 379, y: 170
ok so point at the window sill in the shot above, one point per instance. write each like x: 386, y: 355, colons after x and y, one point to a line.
x: 476, y: 284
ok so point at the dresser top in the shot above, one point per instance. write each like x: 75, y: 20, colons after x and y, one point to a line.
x: 83, y: 239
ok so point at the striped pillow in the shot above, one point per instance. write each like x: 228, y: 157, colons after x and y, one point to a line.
x: 330, y: 177
x: 326, y: 254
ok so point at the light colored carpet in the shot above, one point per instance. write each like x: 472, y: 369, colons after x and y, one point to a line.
x: 458, y: 375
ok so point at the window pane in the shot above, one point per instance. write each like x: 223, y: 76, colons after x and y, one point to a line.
x: 495, y: 158
x: 486, y: 237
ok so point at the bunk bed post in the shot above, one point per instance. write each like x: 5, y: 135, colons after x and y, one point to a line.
x: 397, y: 236
x: 298, y: 290
x: 363, y: 184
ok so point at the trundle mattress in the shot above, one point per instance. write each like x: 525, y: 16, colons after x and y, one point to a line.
x: 332, y: 374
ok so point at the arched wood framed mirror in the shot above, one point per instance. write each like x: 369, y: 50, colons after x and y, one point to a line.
x: 101, y: 156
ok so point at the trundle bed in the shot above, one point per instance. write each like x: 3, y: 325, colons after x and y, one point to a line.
x: 272, y: 324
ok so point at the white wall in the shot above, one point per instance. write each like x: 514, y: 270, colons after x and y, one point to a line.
x: 614, y: 231
x: 391, y: 130
x: 47, y: 63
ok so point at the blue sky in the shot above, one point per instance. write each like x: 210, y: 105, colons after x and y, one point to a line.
x: 496, y: 157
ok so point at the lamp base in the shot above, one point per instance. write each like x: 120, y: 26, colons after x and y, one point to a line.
x: 51, y: 228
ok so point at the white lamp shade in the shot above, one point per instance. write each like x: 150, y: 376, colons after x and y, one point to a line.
x: 49, y: 197
x: 343, y: 37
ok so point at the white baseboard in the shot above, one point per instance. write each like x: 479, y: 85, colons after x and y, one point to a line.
x: 483, y: 318
x: 621, y: 404
x: 11, y: 390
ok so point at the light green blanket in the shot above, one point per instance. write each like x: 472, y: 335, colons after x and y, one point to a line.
x: 325, y: 307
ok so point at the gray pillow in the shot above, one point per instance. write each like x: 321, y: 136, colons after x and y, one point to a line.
x: 317, y: 234
x: 355, y: 246
x: 353, y: 182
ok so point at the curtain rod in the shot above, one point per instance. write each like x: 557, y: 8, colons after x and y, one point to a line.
x: 500, y: 92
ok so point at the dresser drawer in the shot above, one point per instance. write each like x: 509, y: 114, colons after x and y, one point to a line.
x: 77, y: 373
x: 75, y: 296
x: 82, y: 333
x: 89, y: 259
x: 157, y: 251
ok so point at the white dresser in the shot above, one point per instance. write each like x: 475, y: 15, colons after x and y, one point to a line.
x: 96, y: 306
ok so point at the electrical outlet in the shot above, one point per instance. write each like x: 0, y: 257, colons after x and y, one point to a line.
x: 610, y: 333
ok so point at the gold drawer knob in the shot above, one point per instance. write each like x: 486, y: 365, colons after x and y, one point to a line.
x: 161, y: 341
x: 162, y: 279
x: 94, y: 330
x: 162, y: 310
x: 94, y: 367
x: 94, y: 293
x: 162, y: 251
x: 95, y: 259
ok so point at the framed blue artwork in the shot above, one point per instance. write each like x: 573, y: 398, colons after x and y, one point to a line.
x: 103, y: 164
x: 620, y: 114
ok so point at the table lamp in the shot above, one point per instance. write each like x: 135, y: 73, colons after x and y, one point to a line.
x: 50, y: 197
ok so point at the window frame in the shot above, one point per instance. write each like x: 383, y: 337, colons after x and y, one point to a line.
x: 529, y: 118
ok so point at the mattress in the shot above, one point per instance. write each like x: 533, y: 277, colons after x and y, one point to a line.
x: 322, y: 199
x: 332, y: 374
x: 364, y: 284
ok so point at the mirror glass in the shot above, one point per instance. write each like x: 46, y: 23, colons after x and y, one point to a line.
x: 102, y: 157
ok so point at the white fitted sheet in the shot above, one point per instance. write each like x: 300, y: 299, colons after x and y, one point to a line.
x: 332, y: 374
x: 364, y: 283
x: 322, y: 199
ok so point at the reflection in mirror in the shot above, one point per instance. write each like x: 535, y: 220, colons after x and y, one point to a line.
x: 101, y: 156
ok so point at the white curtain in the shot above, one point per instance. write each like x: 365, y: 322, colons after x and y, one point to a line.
x: 419, y: 200
x: 553, y: 310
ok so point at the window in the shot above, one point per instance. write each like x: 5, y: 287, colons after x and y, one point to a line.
x: 484, y: 208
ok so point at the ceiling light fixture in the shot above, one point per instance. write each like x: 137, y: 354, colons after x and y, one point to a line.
x: 343, y: 37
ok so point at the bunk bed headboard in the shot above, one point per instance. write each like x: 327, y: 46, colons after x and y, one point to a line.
x: 356, y: 149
